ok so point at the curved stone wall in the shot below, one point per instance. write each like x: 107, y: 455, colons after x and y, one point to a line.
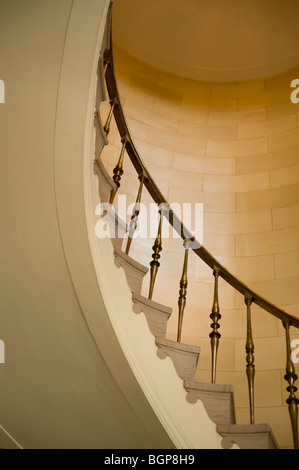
x: 235, y: 148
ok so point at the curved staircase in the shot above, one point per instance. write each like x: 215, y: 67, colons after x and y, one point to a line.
x: 218, y: 399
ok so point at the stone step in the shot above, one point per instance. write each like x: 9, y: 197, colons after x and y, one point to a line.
x: 118, y: 228
x: 156, y: 314
x: 134, y: 271
x: 100, y: 137
x: 218, y: 400
x: 184, y: 356
x: 106, y: 183
x: 247, y: 436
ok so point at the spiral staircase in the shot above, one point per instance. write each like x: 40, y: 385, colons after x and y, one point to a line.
x: 94, y: 356
x: 218, y: 399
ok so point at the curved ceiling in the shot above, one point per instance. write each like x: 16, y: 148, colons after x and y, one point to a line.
x: 211, y: 40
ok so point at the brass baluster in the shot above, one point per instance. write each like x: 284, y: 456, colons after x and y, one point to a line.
x: 118, y: 171
x: 113, y: 103
x: 135, y: 214
x: 157, y: 248
x: 250, y: 368
x: 291, y: 378
x: 183, y: 292
x: 215, y: 335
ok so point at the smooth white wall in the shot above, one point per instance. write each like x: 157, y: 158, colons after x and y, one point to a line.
x: 58, y: 389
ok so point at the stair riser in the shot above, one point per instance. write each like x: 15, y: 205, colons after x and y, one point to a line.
x: 219, y: 406
x: 184, y: 359
x: 156, y: 320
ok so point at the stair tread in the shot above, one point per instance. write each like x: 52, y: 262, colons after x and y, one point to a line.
x: 105, y: 182
x: 100, y: 132
x: 151, y: 303
x: 245, y: 428
x: 157, y: 315
x: 130, y: 261
x: 218, y: 400
x: 101, y: 94
x: 183, y: 356
x: 208, y: 387
x: 248, y: 436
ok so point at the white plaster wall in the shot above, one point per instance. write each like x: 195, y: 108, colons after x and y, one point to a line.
x: 59, y: 388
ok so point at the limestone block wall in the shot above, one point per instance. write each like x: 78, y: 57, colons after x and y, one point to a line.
x: 235, y: 148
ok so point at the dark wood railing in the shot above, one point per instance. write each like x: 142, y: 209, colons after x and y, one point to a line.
x: 190, y: 243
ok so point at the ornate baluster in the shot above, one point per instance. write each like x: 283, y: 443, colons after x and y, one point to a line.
x: 250, y: 368
x: 135, y: 214
x: 113, y: 103
x: 291, y: 378
x: 157, y: 248
x: 215, y: 317
x: 183, y: 292
x: 118, y: 171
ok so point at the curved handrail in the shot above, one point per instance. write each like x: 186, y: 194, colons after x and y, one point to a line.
x: 159, y: 199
